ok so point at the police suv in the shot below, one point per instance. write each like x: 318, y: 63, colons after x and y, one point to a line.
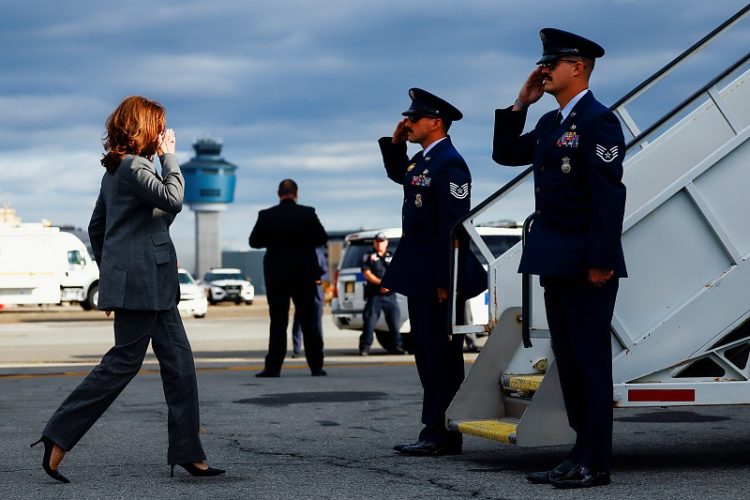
x: 228, y: 284
x: 349, y: 283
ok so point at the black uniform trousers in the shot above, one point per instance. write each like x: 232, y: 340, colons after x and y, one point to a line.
x: 579, y: 316
x: 133, y: 332
x: 440, y: 364
x: 303, y: 296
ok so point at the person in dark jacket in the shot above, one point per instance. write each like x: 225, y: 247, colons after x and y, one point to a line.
x: 574, y: 239
x: 290, y: 233
x: 437, y: 188
x: 129, y: 232
x: 374, y: 266
x: 319, y: 303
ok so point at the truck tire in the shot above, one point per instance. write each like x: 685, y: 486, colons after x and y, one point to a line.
x: 92, y: 298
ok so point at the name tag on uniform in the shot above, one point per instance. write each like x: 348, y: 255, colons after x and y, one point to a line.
x: 568, y: 140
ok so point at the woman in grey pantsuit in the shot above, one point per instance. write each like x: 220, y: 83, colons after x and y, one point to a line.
x: 129, y: 233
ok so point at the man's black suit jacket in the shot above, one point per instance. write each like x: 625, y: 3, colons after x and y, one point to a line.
x: 290, y: 233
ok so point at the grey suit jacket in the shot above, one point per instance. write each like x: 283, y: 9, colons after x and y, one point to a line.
x: 129, y: 233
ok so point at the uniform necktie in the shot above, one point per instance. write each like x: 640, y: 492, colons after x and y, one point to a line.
x: 558, y: 119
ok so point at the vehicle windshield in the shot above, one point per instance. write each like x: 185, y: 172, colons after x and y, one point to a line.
x: 224, y: 276
x: 356, y: 250
x: 185, y: 279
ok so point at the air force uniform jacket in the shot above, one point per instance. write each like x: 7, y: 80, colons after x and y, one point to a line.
x: 580, y: 199
x: 436, y: 195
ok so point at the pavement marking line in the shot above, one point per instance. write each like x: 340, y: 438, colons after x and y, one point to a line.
x: 256, y: 367
x: 249, y: 367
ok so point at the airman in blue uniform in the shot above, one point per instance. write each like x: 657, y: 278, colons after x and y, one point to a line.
x: 574, y: 239
x: 437, y: 193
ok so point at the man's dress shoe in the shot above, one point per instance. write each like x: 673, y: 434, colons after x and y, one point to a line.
x: 547, y: 476
x: 266, y: 374
x: 319, y: 373
x: 581, y: 476
x: 427, y: 449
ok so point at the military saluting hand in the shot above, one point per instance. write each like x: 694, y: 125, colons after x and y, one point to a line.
x: 401, y: 132
x: 532, y: 89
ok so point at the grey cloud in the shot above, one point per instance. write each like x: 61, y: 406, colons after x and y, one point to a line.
x: 302, y: 89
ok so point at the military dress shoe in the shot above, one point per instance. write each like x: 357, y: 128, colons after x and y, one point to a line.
x: 547, y: 476
x: 319, y: 373
x: 427, y: 449
x: 581, y: 476
x: 266, y: 374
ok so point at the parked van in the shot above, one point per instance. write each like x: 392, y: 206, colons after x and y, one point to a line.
x: 43, y: 265
x: 349, y: 293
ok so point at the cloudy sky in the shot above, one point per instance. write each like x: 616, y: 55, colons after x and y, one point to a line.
x: 303, y: 89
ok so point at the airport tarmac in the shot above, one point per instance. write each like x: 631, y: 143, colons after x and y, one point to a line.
x: 315, y: 437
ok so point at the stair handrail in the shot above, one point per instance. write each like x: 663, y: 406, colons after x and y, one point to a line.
x: 692, y: 50
x: 677, y: 109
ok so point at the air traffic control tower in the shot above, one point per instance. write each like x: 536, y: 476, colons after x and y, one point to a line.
x: 209, y: 187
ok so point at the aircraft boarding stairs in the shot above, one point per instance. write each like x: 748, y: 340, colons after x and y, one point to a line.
x: 681, y: 328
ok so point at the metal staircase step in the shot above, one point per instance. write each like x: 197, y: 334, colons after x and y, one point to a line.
x: 524, y: 384
x: 503, y: 430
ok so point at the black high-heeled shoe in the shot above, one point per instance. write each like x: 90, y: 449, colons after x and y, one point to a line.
x: 53, y: 473
x: 196, y: 471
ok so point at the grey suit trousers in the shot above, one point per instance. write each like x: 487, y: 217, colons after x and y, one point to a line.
x: 133, y: 331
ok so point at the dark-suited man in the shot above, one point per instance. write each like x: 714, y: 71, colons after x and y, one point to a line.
x: 573, y: 243
x: 437, y: 186
x: 290, y: 233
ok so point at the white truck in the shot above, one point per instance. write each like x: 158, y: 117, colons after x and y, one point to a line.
x: 43, y: 265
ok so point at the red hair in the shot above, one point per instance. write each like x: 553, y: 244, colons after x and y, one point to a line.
x: 132, y: 128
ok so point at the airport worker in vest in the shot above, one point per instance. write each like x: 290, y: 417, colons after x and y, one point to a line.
x: 374, y: 266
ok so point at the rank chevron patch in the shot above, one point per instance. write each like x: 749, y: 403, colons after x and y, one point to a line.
x: 607, y: 155
x: 459, y: 192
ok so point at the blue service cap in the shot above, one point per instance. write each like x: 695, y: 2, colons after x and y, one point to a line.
x: 558, y: 43
x: 425, y: 104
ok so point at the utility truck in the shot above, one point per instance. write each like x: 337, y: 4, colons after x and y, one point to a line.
x: 43, y: 265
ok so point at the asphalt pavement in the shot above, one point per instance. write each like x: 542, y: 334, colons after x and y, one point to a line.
x: 317, y: 437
